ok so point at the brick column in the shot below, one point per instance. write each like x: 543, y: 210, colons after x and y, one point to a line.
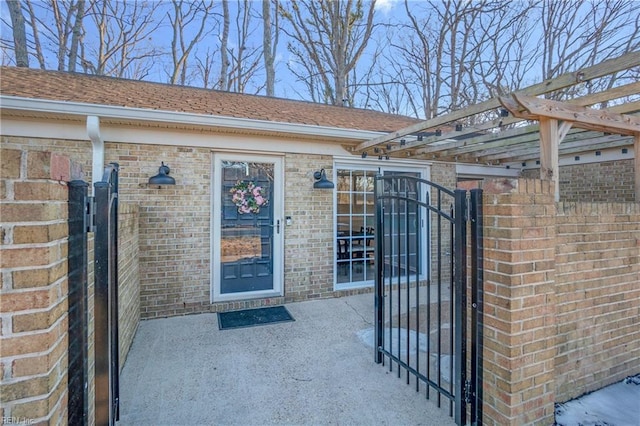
x: 519, y: 302
x: 33, y: 304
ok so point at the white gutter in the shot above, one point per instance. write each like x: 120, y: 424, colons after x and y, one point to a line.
x: 93, y: 130
x: 140, y: 114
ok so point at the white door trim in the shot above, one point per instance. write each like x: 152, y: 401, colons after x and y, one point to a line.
x: 277, y: 203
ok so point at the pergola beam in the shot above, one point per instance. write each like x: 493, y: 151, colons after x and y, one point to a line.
x: 550, y: 112
x: 509, y: 139
x: 586, y: 118
x: 566, y: 80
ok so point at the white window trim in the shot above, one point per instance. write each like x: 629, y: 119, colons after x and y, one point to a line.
x: 349, y: 163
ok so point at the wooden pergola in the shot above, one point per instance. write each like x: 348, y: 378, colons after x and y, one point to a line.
x: 522, y: 127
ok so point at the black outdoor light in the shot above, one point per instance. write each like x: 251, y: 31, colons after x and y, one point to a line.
x: 162, y: 178
x: 322, y: 181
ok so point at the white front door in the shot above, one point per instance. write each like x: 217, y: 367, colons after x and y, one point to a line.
x: 247, y: 228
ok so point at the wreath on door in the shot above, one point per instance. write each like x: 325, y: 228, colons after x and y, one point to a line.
x: 248, y: 197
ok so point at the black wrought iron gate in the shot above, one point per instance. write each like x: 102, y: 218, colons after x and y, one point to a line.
x: 426, y: 270
x: 106, y: 298
x: 98, y: 214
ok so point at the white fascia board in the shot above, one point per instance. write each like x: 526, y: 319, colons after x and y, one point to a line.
x: 145, y: 135
x: 139, y: 114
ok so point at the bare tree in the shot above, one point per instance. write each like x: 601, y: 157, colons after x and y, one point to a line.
x: 77, y: 32
x: 578, y: 34
x: 245, y: 56
x: 19, y: 33
x: 507, y: 53
x: 270, y: 36
x: 231, y: 60
x: 224, y: 46
x: 37, y: 46
x: 124, y: 28
x: 59, y: 25
x: 205, y: 64
x: 450, y: 54
x: 197, y: 12
x: 67, y: 18
x: 328, y: 39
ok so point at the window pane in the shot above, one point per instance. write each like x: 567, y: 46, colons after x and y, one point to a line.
x: 356, y: 226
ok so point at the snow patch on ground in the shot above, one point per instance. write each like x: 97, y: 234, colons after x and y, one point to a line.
x: 615, y: 405
x: 416, y: 341
x: 618, y: 404
x: 367, y: 336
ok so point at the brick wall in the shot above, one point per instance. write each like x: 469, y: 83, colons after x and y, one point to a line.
x: 309, y: 240
x: 611, y: 181
x: 33, y: 305
x: 598, y: 294
x: 561, y: 299
x: 174, y: 225
x: 128, y: 277
x: 33, y: 314
x: 519, y: 334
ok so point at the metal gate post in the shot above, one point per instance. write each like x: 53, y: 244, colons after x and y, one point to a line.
x: 477, y: 289
x: 460, y: 295
x: 113, y: 292
x: 106, y: 298
x: 101, y: 306
x: 78, y: 404
x: 379, y: 267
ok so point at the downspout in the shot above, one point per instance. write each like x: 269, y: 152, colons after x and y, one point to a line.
x: 93, y: 130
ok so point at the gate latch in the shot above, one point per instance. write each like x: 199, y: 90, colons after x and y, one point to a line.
x: 468, y: 391
x: 90, y: 214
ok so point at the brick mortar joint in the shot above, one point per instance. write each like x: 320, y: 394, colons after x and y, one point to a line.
x: 54, y: 346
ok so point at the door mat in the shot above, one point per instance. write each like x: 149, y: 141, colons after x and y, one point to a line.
x: 253, y: 317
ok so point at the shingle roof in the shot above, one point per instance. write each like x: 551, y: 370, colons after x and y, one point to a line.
x: 83, y: 88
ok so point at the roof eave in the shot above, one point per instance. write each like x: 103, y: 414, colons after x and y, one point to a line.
x: 47, y: 106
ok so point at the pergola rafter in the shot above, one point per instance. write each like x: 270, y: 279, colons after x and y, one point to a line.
x: 556, y: 118
x: 564, y: 81
x: 510, y: 142
x: 612, y: 122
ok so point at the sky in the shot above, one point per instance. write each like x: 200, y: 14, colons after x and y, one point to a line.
x: 288, y: 86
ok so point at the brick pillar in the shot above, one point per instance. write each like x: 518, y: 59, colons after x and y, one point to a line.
x: 33, y: 304
x: 519, y: 302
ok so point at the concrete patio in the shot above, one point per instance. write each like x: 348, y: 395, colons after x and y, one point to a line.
x: 315, y: 370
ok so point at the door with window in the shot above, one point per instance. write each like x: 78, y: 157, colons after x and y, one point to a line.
x: 355, y: 220
x: 247, y: 227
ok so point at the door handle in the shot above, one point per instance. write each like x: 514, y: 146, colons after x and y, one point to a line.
x: 278, y: 226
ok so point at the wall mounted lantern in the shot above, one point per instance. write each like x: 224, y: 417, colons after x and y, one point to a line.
x: 321, y: 181
x: 162, y: 178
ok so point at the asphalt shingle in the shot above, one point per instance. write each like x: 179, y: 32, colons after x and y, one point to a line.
x: 90, y: 89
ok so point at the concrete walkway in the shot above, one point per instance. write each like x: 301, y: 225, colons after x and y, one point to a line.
x: 314, y: 371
